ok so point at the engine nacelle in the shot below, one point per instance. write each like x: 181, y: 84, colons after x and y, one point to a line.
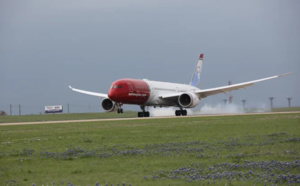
x: 188, y: 100
x: 108, y: 105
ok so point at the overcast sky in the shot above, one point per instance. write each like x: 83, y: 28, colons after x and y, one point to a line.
x: 47, y: 45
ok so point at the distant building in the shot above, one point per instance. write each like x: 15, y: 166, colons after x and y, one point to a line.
x: 2, y: 113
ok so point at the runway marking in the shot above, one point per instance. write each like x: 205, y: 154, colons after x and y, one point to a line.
x: 160, y: 117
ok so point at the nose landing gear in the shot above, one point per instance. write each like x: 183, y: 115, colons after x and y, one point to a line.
x: 119, y: 110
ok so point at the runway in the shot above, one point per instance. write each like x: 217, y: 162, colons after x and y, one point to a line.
x: 161, y: 117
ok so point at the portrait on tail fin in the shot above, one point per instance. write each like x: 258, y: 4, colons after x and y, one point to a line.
x: 195, y: 81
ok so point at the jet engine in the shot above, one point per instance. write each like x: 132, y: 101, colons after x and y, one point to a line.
x: 108, y: 105
x: 188, y: 100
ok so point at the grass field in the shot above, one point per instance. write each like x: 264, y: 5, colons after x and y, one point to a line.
x: 225, y: 150
x: 287, y: 109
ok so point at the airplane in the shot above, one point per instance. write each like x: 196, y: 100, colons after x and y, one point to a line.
x: 146, y: 93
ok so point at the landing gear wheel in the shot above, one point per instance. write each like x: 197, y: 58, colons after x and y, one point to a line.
x: 140, y: 114
x: 181, y: 112
x: 119, y: 106
x: 178, y: 112
x: 143, y: 114
x: 146, y: 114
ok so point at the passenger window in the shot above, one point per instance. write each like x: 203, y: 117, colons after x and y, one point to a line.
x: 116, y: 86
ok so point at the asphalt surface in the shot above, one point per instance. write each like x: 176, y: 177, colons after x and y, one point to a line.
x: 122, y: 119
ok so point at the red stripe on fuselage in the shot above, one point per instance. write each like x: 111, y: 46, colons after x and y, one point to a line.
x: 129, y: 91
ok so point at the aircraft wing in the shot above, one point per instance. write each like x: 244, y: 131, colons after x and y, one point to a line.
x: 89, y: 93
x: 212, y: 91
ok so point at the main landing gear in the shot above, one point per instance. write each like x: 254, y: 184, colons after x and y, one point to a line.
x: 181, y: 112
x: 144, y: 113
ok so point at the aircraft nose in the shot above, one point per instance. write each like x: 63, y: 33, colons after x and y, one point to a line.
x: 112, y: 94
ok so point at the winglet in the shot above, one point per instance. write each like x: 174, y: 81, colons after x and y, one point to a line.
x: 284, y: 74
x: 89, y: 92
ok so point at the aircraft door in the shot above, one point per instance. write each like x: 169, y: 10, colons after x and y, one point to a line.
x: 130, y: 87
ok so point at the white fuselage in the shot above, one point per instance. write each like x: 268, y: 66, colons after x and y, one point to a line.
x: 158, y: 88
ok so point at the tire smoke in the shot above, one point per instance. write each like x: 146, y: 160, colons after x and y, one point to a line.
x: 207, y: 109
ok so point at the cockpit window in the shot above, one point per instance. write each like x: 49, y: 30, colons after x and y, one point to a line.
x: 117, y: 86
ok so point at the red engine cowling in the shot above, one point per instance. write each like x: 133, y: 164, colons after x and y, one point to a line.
x: 188, y: 100
x: 108, y: 105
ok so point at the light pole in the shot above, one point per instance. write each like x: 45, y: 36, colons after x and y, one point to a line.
x: 19, y: 109
x: 289, y: 100
x: 271, y: 101
x: 230, y: 96
x: 244, y: 103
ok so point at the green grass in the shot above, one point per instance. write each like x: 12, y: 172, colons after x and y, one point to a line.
x: 287, y: 109
x: 283, y: 109
x: 146, y: 152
